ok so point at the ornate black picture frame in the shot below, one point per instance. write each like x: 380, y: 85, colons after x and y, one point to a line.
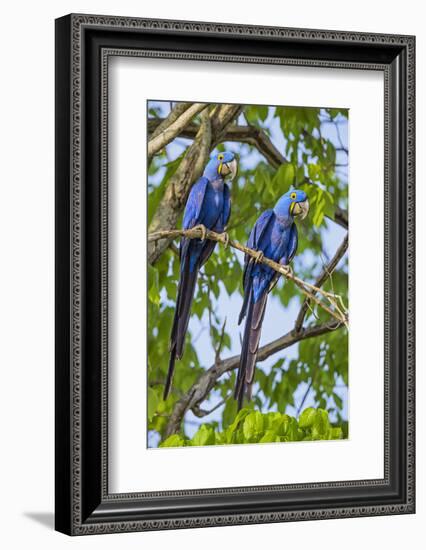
x: 83, y: 45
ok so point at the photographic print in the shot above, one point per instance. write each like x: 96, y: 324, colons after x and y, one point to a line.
x: 208, y: 304
x: 247, y: 274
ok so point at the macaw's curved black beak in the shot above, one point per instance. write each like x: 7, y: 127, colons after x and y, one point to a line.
x: 230, y: 169
x: 301, y: 209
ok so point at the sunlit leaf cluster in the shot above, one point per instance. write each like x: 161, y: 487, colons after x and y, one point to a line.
x: 273, y: 427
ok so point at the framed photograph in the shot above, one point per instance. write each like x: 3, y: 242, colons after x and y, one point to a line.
x: 234, y: 274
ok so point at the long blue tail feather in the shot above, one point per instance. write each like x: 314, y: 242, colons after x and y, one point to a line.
x: 185, y: 295
x: 250, y: 346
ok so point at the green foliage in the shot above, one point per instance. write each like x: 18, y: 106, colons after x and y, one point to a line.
x: 254, y: 427
x: 320, y: 363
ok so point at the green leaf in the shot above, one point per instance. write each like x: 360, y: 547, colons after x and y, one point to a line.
x: 307, y: 417
x: 240, y: 416
x: 256, y: 113
x: 152, y: 403
x: 269, y: 437
x: 229, y: 412
x: 336, y: 433
x: 321, y: 424
x: 204, y: 436
x: 174, y: 440
x: 284, y: 177
x: 253, y: 425
x: 293, y: 433
x: 338, y: 401
x: 153, y: 292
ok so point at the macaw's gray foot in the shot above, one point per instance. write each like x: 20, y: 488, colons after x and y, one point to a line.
x: 203, y: 230
x: 259, y: 256
x: 225, y: 239
x: 289, y: 270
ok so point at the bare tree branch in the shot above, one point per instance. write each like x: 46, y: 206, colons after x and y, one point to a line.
x: 189, y: 170
x: 208, y: 379
x: 220, y: 343
x: 170, y: 132
x: 202, y: 412
x: 157, y: 125
x: 307, y: 288
x: 257, y: 138
x: 341, y: 217
x: 243, y: 134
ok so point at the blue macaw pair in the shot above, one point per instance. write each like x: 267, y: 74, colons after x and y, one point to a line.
x: 274, y: 235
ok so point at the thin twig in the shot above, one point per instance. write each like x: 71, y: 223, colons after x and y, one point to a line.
x: 203, y: 412
x: 305, y: 396
x: 220, y: 344
x: 324, y: 275
x: 308, y: 289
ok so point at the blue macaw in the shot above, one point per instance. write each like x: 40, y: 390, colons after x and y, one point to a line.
x: 274, y: 235
x: 208, y: 206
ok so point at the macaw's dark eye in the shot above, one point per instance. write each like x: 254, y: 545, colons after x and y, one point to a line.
x: 220, y: 157
x: 293, y: 196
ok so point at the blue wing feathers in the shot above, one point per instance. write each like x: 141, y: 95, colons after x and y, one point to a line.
x: 194, y: 203
x: 255, y: 242
x: 293, y: 242
x: 260, y: 228
x: 226, y: 205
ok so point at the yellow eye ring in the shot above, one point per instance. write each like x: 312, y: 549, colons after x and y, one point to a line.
x: 293, y: 196
x: 220, y: 157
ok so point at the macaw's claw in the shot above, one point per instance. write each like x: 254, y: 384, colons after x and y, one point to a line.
x: 225, y: 239
x: 289, y: 270
x: 259, y: 256
x: 203, y: 230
